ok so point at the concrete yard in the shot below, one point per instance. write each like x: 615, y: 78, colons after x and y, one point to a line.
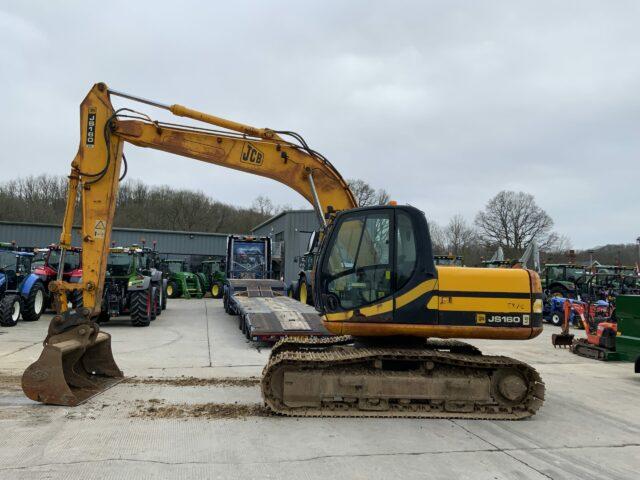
x: 588, y: 428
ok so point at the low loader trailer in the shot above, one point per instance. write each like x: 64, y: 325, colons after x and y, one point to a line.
x: 265, y: 312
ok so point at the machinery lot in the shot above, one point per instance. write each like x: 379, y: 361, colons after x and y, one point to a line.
x: 206, y: 427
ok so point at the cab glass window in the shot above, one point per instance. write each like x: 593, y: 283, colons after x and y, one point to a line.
x: 358, y: 270
x: 406, y: 252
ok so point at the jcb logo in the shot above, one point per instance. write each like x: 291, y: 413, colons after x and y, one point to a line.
x: 251, y: 154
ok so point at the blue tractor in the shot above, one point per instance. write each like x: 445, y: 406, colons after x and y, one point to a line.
x: 22, y: 293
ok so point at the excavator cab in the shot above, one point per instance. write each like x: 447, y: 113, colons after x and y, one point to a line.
x: 368, y: 258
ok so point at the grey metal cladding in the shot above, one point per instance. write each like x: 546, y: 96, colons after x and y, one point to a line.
x: 183, y: 243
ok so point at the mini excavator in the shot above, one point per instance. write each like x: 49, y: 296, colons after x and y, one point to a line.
x: 395, y: 316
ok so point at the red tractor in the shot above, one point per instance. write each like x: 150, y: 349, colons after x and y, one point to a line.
x: 601, y: 330
x: 47, y: 264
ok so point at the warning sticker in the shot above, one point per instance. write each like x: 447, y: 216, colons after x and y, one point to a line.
x: 100, y: 229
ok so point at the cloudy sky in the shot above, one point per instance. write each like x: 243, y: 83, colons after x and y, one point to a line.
x: 442, y: 103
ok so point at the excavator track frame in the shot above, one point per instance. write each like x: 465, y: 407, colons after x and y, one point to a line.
x: 345, y: 361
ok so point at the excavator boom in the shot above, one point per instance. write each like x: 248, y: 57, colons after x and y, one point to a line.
x: 374, y: 278
x: 76, y: 361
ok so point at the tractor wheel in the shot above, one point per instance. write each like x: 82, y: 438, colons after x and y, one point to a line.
x: 77, y: 302
x: 140, y: 308
x: 556, y: 319
x: 154, y: 302
x: 173, y: 290
x: 10, y: 309
x: 559, y: 292
x: 103, y: 317
x: 163, y: 303
x: 34, y: 303
x: 158, y: 302
x: 217, y: 290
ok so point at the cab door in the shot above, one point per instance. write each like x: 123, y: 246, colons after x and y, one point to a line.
x: 356, y: 270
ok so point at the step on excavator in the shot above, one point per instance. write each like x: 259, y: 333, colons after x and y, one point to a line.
x: 395, y: 316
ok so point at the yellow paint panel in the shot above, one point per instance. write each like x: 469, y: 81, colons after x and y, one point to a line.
x: 491, y: 305
x: 386, y: 306
x: 465, y: 279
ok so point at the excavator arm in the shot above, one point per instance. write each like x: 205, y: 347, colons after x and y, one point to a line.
x: 374, y: 277
x: 74, y: 339
x: 96, y: 170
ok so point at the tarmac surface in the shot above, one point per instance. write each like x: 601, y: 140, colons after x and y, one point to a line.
x: 191, y: 408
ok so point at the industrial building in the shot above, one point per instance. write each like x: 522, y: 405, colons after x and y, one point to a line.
x: 289, y: 232
x: 173, y: 243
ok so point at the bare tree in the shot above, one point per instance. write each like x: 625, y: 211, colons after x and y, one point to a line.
x: 438, y: 238
x: 459, y: 235
x: 43, y: 199
x: 264, y: 205
x: 512, y: 220
x: 366, y: 195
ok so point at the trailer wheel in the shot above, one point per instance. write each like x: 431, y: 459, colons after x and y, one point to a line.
x: 34, y: 303
x: 140, y: 308
x: 10, y: 309
x: 245, y: 329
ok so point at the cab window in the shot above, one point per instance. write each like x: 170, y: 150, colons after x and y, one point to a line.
x: 406, y: 252
x: 358, y: 269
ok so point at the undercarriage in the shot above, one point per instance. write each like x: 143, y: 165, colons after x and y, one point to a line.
x: 338, y: 377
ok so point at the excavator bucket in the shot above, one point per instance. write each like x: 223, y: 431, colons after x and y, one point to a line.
x: 562, y: 339
x: 73, y: 367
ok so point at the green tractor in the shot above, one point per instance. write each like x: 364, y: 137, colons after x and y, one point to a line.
x: 182, y: 282
x: 561, y: 278
x: 212, y: 277
x: 130, y: 289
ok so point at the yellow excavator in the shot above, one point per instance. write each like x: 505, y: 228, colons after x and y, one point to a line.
x: 395, y: 315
